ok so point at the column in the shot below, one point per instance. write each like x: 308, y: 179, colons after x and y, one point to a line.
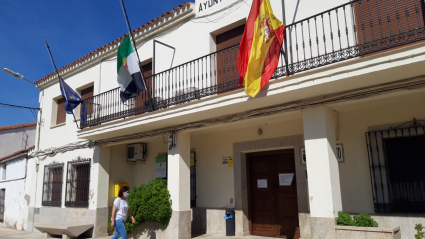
x: 323, y: 173
x: 100, y: 185
x: 178, y: 179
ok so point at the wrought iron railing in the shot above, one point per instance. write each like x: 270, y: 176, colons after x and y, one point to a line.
x: 78, y: 183
x: 354, y: 29
x: 396, y: 161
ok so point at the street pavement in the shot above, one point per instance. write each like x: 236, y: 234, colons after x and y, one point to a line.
x: 8, y: 233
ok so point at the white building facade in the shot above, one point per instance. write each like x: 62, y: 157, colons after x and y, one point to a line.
x: 16, y: 144
x: 349, y: 98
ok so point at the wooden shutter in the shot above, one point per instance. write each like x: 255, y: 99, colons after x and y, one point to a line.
x: 368, y: 13
x: 147, y: 75
x: 85, y: 94
x: 61, y: 115
x: 227, y: 72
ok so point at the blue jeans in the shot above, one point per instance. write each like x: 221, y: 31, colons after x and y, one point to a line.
x: 120, y: 230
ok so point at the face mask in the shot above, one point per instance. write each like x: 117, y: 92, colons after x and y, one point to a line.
x: 126, y: 195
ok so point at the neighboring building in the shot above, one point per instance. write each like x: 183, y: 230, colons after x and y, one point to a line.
x: 352, y: 107
x: 16, y: 144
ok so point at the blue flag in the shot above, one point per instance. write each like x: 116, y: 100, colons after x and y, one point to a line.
x: 71, y: 97
x: 83, y: 114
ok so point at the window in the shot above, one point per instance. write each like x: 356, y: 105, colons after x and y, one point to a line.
x: 61, y: 113
x: 78, y: 183
x: 226, y: 57
x: 2, y: 203
x: 52, y: 185
x: 397, y: 160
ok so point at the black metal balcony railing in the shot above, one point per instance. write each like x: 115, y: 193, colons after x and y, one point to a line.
x: 354, y: 29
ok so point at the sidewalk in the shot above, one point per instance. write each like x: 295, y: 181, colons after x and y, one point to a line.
x: 8, y: 233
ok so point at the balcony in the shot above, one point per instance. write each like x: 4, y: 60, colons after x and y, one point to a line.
x: 355, y: 29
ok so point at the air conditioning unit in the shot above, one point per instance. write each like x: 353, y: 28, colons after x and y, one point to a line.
x: 136, y: 152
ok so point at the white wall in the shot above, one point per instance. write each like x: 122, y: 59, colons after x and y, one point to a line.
x: 18, y: 187
x: 14, y: 140
x: 354, y: 172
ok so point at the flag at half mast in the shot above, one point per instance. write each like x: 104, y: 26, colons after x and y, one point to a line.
x: 130, y: 78
x: 260, y: 47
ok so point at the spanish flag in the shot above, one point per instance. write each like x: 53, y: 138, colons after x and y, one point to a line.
x: 260, y: 47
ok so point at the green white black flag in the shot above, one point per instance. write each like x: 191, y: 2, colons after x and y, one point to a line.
x: 130, y: 78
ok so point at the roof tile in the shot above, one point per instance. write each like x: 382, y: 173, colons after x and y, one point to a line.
x: 17, y: 152
x: 18, y: 126
x: 61, y: 70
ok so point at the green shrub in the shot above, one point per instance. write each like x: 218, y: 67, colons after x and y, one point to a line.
x: 361, y: 220
x: 364, y: 220
x: 149, y: 203
x: 420, y: 234
x: 345, y: 220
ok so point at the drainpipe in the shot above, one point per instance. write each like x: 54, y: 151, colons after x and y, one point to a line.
x: 40, y: 105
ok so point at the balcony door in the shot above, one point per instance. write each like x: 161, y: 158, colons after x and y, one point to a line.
x: 273, y: 204
x: 144, y: 95
x: 385, y: 24
x: 226, y: 57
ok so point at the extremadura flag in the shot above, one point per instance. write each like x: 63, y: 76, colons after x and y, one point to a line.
x: 260, y: 47
x: 130, y: 78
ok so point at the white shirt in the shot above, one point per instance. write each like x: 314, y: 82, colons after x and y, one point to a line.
x: 122, y: 209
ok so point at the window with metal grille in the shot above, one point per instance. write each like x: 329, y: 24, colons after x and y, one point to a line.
x: 2, y: 202
x: 78, y: 183
x: 52, y: 184
x: 397, y: 162
x: 192, y: 179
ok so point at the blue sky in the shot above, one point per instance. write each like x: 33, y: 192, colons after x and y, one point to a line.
x: 72, y: 28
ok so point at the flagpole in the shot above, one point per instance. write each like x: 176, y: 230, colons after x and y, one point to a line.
x: 59, y: 77
x: 135, y: 49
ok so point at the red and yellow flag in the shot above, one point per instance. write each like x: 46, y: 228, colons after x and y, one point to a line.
x: 260, y: 47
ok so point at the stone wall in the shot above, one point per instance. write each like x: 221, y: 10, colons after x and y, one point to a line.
x: 97, y: 217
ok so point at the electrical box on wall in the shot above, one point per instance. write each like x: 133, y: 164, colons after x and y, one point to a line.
x: 136, y: 152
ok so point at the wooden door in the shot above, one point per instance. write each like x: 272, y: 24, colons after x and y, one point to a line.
x: 273, y: 207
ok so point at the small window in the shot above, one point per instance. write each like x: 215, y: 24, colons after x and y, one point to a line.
x: 78, y: 183
x: 52, y: 185
x: 2, y: 202
x: 61, y: 113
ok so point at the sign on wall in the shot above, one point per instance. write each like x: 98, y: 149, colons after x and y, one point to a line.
x: 230, y: 161
x: 161, y: 166
x: 339, y: 153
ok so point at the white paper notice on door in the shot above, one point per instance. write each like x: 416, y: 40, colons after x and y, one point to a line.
x: 285, y: 179
x: 261, y: 183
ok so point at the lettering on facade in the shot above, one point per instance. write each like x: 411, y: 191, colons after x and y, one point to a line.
x: 208, y: 4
